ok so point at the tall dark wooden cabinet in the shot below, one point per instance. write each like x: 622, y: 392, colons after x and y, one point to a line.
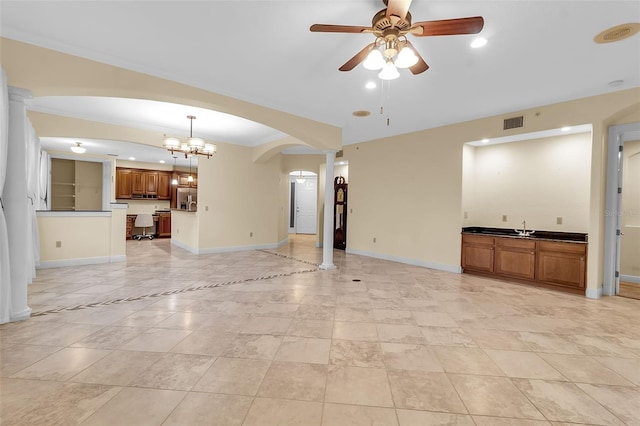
x: 340, y: 213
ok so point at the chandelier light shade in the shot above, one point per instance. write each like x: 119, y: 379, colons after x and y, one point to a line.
x: 192, y: 146
x: 78, y: 149
x: 300, y: 179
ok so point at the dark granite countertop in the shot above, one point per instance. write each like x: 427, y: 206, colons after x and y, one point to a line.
x: 574, y: 237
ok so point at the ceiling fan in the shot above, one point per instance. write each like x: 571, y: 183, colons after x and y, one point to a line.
x: 392, y: 49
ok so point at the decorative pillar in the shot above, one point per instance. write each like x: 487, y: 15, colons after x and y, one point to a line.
x: 16, y: 207
x: 327, y: 240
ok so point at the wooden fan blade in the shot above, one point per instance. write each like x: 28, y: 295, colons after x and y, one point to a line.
x: 359, y: 57
x: 448, y: 27
x: 420, y: 66
x: 327, y: 28
x: 398, y: 8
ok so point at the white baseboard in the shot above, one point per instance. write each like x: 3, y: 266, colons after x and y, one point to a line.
x: 593, y: 293
x: 184, y: 246
x: 630, y: 279
x: 80, y: 261
x: 415, y: 262
x: 215, y: 250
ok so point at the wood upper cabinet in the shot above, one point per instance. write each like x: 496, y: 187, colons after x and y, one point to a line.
x: 123, y: 183
x: 164, y: 186
x: 137, y: 184
x: 562, y: 264
x: 151, y: 183
x: 515, y: 258
x: 478, y: 253
x: 183, y: 180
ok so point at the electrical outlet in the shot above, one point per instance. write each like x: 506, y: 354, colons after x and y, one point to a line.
x: 559, y: 220
x: 374, y: 239
x: 58, y: 244
x: 206, y: 208
x: 504, y: 217
x: 350, y: 210
x: 251, y: 234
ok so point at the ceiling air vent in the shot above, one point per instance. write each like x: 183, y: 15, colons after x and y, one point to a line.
x: 513, y: 123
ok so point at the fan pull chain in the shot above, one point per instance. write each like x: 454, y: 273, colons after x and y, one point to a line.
x: 388, y: 102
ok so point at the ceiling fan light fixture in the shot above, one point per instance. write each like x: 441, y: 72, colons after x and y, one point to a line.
x: 389, y: 71
x: 406, y: 58
x: 374, y: 61
x: 78, y: 149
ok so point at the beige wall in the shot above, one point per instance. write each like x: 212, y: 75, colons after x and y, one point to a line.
x: 630, y: 211
x: 184, y: 230
x: 84, y: 239
x: 242, y: 197
x: 146, y: 206
x: 535, y: 181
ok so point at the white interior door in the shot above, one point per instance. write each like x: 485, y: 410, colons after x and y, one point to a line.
x: 630, y: 215
x: 303, y: 205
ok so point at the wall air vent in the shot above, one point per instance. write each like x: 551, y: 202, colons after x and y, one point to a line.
x: 513, y: 123
x: 339, y: 154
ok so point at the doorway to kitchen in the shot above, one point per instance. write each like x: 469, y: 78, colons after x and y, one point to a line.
x: 303, y: 202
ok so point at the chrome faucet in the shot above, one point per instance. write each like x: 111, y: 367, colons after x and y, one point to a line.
x: 523, y: 232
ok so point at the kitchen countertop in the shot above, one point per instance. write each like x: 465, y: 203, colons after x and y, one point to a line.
x: 571, y: 237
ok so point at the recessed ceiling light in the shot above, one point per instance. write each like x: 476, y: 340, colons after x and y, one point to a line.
x: 485, y: 140
x: 615, y: 83
x: 371, y: 85
x: 132, y: 158
x: 478, y: 42
x: 161, y: 161
x: 565, y: 129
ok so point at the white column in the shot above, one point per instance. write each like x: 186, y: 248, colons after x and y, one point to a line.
x: 327, y: 240
x: 16, y: 205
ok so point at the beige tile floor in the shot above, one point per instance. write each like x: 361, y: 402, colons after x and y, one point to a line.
x: 263, y: 338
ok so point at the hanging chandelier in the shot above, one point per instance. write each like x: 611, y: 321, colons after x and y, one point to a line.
x: 389, y: 54
x: 192, y: 146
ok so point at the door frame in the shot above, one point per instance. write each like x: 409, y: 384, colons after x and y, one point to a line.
x: 617, y: 136
x: 292, y: 180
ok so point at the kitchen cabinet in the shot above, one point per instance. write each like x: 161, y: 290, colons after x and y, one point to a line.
x: 131, y: 218
x: 478, y: 253
x: 183, y: 180
x: 164, y: 186
x: 557, y: 264
x: 515, y: 258
x: 123, y: 183
x: 562, y: 264
x: 164, y: 225
x: 142, y: 184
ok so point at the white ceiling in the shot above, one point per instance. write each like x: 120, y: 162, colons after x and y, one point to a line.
x: 539, y: 52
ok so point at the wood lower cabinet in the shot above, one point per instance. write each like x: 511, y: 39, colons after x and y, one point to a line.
x: 478, y: 253
x: 558, y: 264
x: 164, y: 225
x: 515, y: 258
x: 562, y: 264
x: 131, y: 218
